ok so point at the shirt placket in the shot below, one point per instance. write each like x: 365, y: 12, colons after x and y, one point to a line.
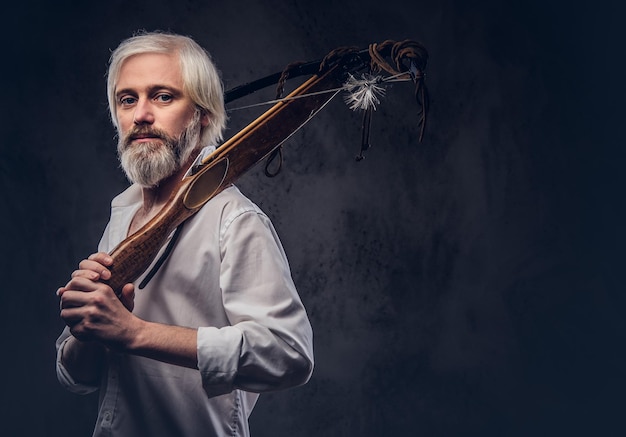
x: 109, y: 403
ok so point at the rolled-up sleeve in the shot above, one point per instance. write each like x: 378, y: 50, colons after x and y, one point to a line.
x: 269, y: 343
x: 64, y: 377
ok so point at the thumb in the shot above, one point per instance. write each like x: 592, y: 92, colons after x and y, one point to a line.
x: 128, y: 296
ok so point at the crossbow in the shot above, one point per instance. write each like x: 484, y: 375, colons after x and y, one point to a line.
x: 360, y: 74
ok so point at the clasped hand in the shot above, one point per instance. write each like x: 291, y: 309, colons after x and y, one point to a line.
x: 91, y: 308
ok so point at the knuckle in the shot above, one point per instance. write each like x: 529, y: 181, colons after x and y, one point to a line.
x: 96, y: 301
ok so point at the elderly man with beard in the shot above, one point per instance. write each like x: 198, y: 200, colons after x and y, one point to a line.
x: 221, y: 320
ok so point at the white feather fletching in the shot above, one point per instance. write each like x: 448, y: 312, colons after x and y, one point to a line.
x: 363, y: 93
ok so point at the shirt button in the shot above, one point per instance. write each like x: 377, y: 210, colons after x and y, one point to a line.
x: 107, y: 416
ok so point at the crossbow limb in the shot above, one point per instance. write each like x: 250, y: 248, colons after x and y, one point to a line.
x: 208, y: 176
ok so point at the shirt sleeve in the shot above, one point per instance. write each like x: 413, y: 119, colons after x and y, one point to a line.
x: 63, y: 375
x: 269, y: 345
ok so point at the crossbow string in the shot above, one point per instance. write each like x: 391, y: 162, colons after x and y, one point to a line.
x: 401, y: 60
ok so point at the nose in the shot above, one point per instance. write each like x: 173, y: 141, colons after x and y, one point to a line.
x: 143, y: 113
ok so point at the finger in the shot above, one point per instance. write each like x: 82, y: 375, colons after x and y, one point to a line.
x: 74, y: 319
x: 71, y: 316
x: 81, y: 283
x: 128, y: 296
x: 73, y: 299
x: 84, y: 304
x: 102, y: 258
x: 94, y: 266
x: 87, y: 274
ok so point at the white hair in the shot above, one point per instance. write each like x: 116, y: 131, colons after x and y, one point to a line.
x: 201, y: 79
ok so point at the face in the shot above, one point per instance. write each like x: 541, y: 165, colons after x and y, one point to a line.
x: 159, y: 125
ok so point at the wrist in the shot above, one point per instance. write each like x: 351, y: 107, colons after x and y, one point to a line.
x: 136, y: 337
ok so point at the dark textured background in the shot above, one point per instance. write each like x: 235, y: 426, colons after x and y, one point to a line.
x: 470, y: 285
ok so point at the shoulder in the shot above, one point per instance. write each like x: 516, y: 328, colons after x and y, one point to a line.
x: 232, y: 202
x: 227, y: 214
x: 229, y: 206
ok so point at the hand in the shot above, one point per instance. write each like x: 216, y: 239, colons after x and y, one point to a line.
x: 91, y: 308
x: 95, y: 269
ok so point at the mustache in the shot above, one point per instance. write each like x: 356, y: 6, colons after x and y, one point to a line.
x: 145, y: 131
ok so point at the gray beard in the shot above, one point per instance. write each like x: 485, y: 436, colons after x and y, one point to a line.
x: 147, y: 164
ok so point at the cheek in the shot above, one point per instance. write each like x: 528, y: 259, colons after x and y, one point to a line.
x: 124, y: 122
x: 176, y: 125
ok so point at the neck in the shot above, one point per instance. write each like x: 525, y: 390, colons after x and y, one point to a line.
x: 154, y: 198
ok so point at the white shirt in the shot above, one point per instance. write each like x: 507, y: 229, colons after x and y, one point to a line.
x: 228, y: 276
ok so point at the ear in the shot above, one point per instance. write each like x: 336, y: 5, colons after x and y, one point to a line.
x: 205, y: 118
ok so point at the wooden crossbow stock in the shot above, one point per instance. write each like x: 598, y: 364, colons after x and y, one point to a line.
x: 360, y: 73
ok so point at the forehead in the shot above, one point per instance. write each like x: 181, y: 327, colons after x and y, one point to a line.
x: 150, y: 69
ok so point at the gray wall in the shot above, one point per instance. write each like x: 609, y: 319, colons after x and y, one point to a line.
x: 468, y: 285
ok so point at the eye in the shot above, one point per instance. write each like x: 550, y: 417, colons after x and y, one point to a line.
x: 127, y: 100
x: 164, y: 98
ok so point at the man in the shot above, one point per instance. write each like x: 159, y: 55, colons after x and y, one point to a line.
x: 220, y: 321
